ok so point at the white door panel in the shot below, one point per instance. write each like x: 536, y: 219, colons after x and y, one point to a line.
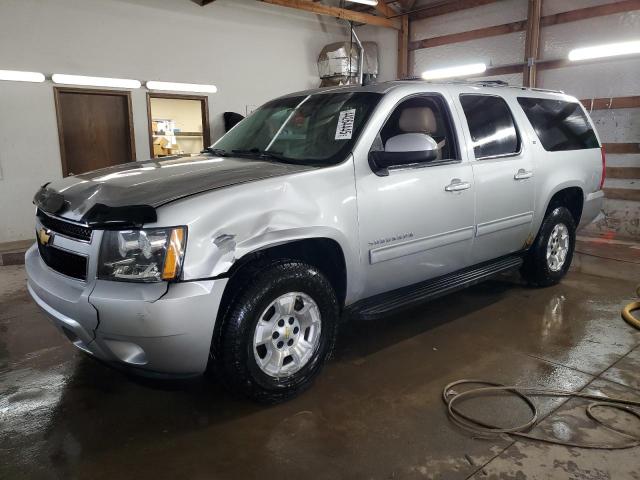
x: 503, y: 172
x: 504, y: 206
x: 411, y: 228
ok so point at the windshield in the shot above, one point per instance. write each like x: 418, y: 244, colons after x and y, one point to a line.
x: 314, y: 129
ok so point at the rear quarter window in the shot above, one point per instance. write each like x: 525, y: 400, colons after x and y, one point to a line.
x: 560, y: 125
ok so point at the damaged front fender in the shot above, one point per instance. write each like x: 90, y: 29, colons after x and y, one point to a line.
x: 228, y: 224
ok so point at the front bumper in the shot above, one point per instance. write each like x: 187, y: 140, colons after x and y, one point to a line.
x: 154, y: 328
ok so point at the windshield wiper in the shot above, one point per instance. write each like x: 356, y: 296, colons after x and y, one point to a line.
x: 216, y: 151
x: 263, y: 154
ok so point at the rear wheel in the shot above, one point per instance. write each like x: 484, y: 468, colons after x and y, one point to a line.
x: 550, y: 256
x: 278, y: 332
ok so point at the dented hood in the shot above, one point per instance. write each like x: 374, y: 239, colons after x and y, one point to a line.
x: 117, y: 194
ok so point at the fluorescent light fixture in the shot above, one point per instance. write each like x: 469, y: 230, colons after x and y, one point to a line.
x: 373, y: 3
x: 16, y: 76
x: 600, y: 51
x: 458, y: 71
x: 181, y: 87
x: 94, y: 81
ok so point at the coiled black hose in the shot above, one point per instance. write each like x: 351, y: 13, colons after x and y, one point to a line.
x: 483, y: 429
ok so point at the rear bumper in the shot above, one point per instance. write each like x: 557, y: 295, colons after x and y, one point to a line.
x: 153, y: 329
x: 592, y: 208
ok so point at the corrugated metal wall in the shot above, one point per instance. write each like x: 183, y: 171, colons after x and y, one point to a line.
x: 608, y: 79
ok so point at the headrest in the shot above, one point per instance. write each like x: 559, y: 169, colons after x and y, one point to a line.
x: 418, y: 120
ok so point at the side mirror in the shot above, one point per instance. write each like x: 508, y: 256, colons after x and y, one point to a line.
x: 404, y: 149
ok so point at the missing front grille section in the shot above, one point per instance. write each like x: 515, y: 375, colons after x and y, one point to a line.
x: 66, y: 263
x: 65, y: 228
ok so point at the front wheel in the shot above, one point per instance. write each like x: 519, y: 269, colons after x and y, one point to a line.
x: 550, y: 256
x: 278, y: 332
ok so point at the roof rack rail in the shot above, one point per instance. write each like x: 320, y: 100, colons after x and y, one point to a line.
x: 483, y: 83
x: 491, y: 83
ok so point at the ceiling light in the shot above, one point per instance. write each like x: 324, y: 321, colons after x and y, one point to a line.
x: 458, y: 71
x: 95, y: 81
x: 17, y: 76
x: 373, y: 3
x: 181, y: 87
x: 600, y: 51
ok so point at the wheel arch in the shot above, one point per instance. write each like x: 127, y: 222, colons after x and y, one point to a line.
x: 324, y: 253
x: 569, y: 194
x: 571, y: 197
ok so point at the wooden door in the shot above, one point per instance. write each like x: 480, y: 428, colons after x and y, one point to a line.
x: 95, y: 128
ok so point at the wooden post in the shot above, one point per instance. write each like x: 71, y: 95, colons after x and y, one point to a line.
x: 403, y: 47
x: 532, y: 44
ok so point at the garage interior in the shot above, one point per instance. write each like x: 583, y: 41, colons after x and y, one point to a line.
x: 377, y: 409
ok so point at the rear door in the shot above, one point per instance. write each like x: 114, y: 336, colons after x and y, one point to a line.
x: 504, y: 176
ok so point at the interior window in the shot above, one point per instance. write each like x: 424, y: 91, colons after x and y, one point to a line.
x: 559, y: 125
x: 491, y: 125
x: 423, y: 114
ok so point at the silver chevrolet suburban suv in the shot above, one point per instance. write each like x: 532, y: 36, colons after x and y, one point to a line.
x: 349, y: 200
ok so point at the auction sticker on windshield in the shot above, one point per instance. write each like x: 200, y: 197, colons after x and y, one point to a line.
x: 345, y: 124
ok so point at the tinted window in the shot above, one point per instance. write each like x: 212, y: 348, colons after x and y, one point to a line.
x: 493, y: 131
x: 559, y: 125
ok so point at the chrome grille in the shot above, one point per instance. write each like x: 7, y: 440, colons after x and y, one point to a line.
x: 67, y: 229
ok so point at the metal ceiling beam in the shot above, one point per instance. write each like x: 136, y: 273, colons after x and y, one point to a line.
x: 336, y: 12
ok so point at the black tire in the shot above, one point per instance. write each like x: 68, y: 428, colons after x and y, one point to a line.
x: 233, y: 352
x: 536, y: 270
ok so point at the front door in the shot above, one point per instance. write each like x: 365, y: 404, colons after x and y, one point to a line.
x: 504, y: 178
x: 416, y: 223
x: 95, y: 129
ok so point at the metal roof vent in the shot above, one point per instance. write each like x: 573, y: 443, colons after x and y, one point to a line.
x: 338, y: 63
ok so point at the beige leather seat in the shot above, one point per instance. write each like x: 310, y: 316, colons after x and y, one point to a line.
x: 420, y: 120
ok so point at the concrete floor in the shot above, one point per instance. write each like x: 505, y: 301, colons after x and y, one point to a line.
x: 375, y: 412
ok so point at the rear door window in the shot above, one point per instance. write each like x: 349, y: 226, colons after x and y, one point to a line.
x: 559, y: 125
x: 493, y: 130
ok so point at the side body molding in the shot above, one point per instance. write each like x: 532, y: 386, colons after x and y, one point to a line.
x: 389, y: 252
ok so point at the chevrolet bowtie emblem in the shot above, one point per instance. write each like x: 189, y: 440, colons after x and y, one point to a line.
x: 44, y: 236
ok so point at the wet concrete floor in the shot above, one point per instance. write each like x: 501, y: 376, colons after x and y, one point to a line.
x: 375, y: 412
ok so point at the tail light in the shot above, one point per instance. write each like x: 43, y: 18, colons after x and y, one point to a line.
x: 604, y: 167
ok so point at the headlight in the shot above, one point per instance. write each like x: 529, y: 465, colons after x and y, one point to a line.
x: 149, y: 255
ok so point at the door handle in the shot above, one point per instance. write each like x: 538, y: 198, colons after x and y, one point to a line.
x: 523, y: 174
x: 457, y: 185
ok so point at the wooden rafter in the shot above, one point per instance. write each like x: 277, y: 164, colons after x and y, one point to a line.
x: 564, y: 17
x: 611, y: 103
x: 385, y: 10
x: 443, y: 8
x: 406, y: 4
x: 549, y: 65
x: 336, y: 12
